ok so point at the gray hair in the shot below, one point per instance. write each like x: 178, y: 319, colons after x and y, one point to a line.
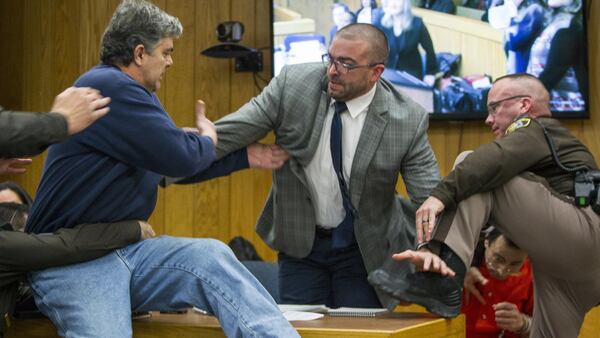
x: 136, y: 22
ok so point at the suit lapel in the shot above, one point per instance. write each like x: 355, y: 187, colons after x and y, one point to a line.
x: 370, y: 137
x: 298, y: 162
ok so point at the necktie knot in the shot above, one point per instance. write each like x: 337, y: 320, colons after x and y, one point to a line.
x: 340, y: 107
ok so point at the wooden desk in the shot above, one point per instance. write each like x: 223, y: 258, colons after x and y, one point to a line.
x: 396, y: 325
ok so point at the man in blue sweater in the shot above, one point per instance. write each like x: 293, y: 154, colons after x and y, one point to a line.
x: 110, y: 172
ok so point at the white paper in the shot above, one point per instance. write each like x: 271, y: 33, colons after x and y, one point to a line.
x: 319, y: 308
x: 299, y: 315
x: 355, y: 311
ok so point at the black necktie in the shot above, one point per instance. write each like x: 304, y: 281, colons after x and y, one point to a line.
x: 343, y: 235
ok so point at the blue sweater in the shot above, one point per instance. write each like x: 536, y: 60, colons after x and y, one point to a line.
x: 111, y: 170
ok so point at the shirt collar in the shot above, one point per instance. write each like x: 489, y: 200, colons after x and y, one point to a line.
x: 359, y: 104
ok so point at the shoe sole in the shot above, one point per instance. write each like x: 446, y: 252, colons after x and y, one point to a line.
x: 432, y: 305
x: 400, y: 290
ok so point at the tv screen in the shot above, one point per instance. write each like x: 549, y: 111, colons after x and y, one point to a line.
x: 445, y: 56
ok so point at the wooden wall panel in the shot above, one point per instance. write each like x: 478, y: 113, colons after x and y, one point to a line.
x: 212, y: 79
x: 11, y: 61
x: 179, y: 102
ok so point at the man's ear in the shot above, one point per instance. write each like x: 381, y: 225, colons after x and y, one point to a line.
x: 138, y: 54
x: 526, y: 105
x: 377, y: 72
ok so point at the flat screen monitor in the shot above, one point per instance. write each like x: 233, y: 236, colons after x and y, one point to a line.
x: 444, y: 56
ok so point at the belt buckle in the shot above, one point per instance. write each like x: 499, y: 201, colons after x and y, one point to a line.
x: 324, y: 232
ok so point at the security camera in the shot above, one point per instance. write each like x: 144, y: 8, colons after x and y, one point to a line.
x: 230, y: 31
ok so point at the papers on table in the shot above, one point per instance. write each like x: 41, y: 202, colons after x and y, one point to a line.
x: 310, y: 312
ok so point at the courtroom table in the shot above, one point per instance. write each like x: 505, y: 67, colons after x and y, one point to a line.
x: 192, y: 324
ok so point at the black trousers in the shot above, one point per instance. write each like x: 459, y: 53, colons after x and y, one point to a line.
x: 332, y: 277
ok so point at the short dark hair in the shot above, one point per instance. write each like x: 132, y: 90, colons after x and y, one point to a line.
x: 493, y: 234
x: 17, y: 189
x: 136, y: 22
x: 373, y: 35
x: 518, y: 76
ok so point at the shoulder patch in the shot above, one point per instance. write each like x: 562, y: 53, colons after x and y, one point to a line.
x: 518, y: 124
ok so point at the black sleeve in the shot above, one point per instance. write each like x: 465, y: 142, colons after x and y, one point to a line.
x: 24, y: 252
x: 427, y: 44
x: 27, y: 134
x: 563, y: 49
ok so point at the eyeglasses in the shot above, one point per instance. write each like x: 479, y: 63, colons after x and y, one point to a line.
x: 494, y: 105
x: 345, y: 67
x: 498, y: 263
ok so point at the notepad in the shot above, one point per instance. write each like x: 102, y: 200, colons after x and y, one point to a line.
x: 355, y: 312
x: 339, y: 312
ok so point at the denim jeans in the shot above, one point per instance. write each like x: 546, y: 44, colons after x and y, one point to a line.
x: 95, y: 299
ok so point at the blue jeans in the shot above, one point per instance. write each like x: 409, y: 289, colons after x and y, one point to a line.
x: 95, y: 299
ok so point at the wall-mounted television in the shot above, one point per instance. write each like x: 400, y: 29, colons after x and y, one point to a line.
x: 446, y: 57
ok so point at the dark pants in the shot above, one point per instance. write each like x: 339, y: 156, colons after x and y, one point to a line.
x: 332, y: 277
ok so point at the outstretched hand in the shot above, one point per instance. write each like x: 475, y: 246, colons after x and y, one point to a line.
x: 426, y: 217
x: 425, y: 261
x: 472, y: 278
x: 205, y: 126
x: 266, y: 156
x: 13, y: 166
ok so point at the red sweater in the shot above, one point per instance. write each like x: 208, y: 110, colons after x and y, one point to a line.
x: 515, y: 289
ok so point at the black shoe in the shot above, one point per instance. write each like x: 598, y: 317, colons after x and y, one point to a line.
x: 438, y: 294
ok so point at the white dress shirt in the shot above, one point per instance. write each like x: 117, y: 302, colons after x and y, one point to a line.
x: 322, y: 180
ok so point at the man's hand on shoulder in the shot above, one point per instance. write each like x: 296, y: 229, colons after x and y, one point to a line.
x: 146, y: 230
x: 13, y: 166
x: 80, y: 107
x: 266, y: 156
x: 205, y: 126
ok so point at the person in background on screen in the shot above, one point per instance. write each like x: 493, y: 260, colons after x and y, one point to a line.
x: 498, y: 289
x: 342, y: 17
x: 524, y: 28
x: 367, y: 11
x: 444, y: 6
x: 558, y: 56
x: 405, y: 33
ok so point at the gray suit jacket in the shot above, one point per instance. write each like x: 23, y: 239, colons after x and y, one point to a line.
x: 393, y: 141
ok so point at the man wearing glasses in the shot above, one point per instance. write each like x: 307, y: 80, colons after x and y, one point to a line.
x: 516, y: 184
x: 333, y: 212
x: 498, y: 297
